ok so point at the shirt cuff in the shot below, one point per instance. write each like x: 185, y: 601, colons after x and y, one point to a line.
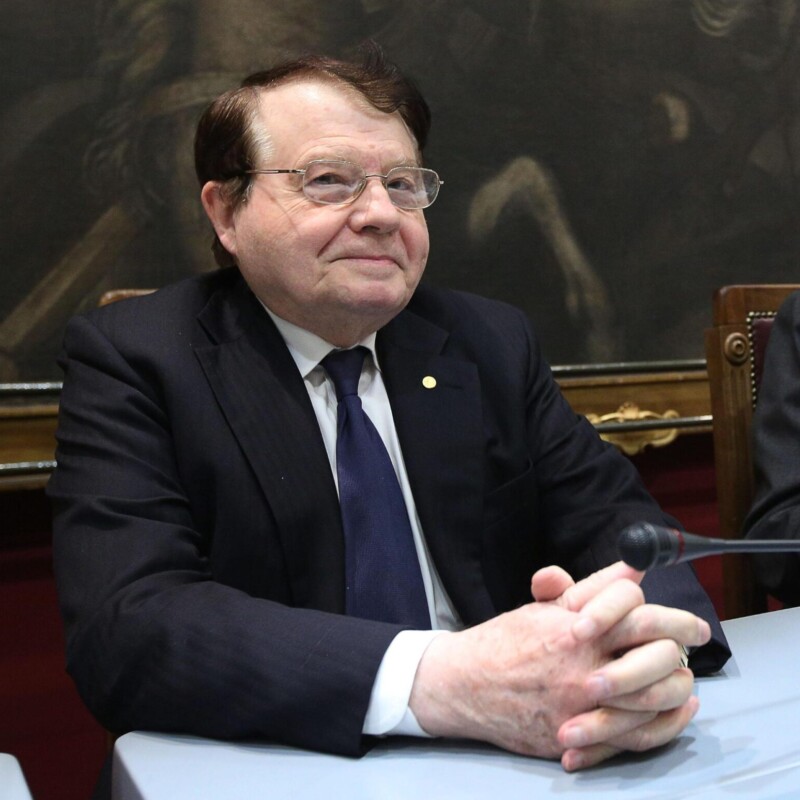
x: 388, y: 712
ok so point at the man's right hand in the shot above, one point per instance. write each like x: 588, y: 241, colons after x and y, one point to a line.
x: 586, y: 672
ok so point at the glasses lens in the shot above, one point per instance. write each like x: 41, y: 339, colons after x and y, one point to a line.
x: 332, y: 181
x: 412, y: 187
x: 337, y: 182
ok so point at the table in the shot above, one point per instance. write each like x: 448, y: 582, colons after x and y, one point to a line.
x: 744, y: 742
x: 12, y: 781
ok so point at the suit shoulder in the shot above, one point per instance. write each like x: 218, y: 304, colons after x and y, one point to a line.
x: 167, y: 312
x: 790, y: 307
x: 189, y: 295
x: 477, y: 326
x: 785, y: 331
x: 455, y: 308
x: 161, y: 322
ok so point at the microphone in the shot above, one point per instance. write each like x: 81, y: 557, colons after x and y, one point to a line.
x: 644, y: 546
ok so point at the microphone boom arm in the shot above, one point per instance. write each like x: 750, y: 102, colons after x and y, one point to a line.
x: 644, y: 546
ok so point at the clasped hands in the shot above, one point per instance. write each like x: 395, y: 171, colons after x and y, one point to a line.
x: 586, y: 672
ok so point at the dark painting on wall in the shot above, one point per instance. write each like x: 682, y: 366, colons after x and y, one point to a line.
x: 607, y: 163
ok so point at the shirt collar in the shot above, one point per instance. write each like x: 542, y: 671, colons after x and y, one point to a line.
x: 308, y: 349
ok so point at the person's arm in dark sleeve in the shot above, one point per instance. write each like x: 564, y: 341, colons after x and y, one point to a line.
x: 775, y: 513
x: 153, y: 641
x: 590, y: 494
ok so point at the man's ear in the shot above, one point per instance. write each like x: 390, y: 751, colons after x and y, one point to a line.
x: 221, y: 214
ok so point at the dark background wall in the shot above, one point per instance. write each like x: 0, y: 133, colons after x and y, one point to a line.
x: 607, y: 164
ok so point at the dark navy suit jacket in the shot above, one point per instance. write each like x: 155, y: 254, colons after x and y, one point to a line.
x: 775, y: 513
x: 198, y: 544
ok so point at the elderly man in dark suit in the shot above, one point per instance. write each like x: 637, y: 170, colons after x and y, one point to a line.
x: 233, y: 557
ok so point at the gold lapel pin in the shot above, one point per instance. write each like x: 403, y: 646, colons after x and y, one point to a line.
x: 429, y: 382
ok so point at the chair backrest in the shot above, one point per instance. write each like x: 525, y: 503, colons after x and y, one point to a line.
x: 735, y: 346
x: 112, y: 295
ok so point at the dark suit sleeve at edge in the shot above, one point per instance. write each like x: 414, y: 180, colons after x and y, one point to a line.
x: 775, y: 513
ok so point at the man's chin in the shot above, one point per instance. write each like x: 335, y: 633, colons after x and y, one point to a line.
x: 378, y: 296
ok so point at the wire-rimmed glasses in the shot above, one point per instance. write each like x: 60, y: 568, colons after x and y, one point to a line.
x: 339, y: 182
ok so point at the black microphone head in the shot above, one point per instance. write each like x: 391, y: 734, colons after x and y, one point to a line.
x: 643, y: 545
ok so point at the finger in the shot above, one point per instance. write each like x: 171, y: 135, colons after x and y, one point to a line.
x: 635, y: 670
x: 600, y: 726
x: 664, y: 728
x: 648, y: 622
x: 550, y: 583
x: 610, y: 606
x: 624, y: 714
x: 663, y: 695
x: 661, y: 729
x: 576, y: 597
x: 574, y: 759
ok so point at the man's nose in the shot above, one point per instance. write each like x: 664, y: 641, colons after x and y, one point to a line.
x: 374, y: 208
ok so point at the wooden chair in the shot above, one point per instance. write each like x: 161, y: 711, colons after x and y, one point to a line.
x: 735, y: 348
x: 113, y: 295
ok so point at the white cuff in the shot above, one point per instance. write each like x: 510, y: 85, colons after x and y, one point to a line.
x: 388, y: 711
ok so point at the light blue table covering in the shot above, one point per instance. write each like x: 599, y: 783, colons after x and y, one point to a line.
x: 744, y: 743
x: 12, y: 781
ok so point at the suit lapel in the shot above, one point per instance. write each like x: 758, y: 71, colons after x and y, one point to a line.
x: 439, y: 425
x: 265, y: 402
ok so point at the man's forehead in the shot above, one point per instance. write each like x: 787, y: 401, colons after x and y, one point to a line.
x: 295, y: 100
x: 310, y: 90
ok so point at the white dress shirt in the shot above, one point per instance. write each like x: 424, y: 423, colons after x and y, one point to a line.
x: 388, y: 711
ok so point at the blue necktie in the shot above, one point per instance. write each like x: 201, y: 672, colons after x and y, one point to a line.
x: 383, y: 577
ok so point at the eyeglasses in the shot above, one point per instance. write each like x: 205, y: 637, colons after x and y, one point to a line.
x: 339, y: 182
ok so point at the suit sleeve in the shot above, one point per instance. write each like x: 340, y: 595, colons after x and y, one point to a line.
x: 153, y: 640
x: 775, y: 513
x: 589, y: 492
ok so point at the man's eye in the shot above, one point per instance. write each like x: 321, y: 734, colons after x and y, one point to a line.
x: 331, y: 179
x: 403, y: 184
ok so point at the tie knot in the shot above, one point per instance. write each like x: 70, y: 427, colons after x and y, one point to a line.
x: 344, y: 368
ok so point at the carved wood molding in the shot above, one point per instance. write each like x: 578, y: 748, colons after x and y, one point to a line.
x: 27, y: 440
x: 657, y: 407
x: 634, y: 442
